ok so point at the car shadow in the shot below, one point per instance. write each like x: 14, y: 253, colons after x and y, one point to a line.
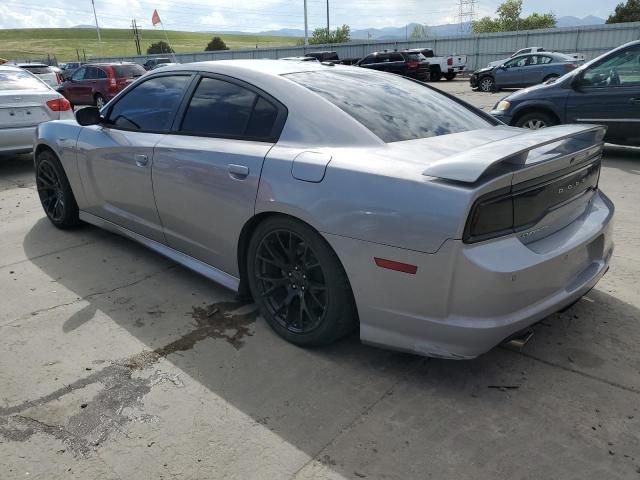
x: 305, y: 396
x: 17, y: 169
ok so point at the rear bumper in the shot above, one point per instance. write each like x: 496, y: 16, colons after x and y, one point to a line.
x: 466, y: 299
x: 17, y: 140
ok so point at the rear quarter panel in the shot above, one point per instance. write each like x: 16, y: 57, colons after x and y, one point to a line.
x: 61, y: 137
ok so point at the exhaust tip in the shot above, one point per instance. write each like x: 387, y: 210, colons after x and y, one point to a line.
x: 519, y: 340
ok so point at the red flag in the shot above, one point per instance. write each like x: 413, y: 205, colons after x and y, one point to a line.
x: 155, y: 19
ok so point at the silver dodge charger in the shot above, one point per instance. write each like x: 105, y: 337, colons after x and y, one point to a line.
x: 340, y: 198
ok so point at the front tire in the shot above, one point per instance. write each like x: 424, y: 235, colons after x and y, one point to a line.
x: 436, y: 76
x: 299, y: 284
x: 487, y: 84
x: 56, y: 196
x: 536, y: 121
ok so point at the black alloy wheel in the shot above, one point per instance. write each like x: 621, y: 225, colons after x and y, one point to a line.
x: 291, y: 281
x: 54, y: 191
x: 299, y: 284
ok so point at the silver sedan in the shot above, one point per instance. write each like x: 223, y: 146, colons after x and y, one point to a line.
x: 341, y: 199
x: 26, y: 102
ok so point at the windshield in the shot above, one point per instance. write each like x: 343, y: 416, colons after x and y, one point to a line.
x: 392, y: 107
x: 19, y: 80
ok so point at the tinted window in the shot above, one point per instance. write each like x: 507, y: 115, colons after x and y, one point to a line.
x: 262, y: 120
x: 544, y: 60
x: 149, y: 106
x: 428, y: 53
x: 101, y: 73
x: 392, y: 107
x: 417, y: 56
x: 128, y: 71
x: 382, y: 57
x: 368, y: 59
x: 19, y: 80
x: 219, y: 108
x: 396, y: 57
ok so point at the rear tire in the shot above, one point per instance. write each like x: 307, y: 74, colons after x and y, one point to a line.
x: 450, y: 76
x: 56, y: 196
x: 436, y: 76
x: 299, y: 284
x: 536, y: 121
x: 487, y: 84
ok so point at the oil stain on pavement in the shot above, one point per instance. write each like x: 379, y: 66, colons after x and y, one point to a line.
x: 116, y: 393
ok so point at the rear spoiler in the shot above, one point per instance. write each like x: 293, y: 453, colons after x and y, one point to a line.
x: 469, y: 166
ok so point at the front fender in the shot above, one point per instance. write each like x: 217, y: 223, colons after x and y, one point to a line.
x: 529, y: 105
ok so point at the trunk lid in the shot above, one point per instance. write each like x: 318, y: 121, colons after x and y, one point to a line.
x: 21, y: 108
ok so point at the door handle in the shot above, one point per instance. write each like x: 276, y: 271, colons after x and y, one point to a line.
x: 635, y: 100
x: 238, y: 172
x: 141, y: 160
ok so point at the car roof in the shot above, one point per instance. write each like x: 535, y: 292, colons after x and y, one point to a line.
x: 264, y: 67
x: 11, y: 68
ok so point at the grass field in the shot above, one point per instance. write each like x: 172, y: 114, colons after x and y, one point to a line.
x: 37, y: 43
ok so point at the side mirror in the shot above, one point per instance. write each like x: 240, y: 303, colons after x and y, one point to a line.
x: 502, y: 67
x: 577, y: 81
x: 88, y: 116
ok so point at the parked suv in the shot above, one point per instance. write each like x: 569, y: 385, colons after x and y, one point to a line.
x: 605, y: 91
x: 96, y: 84
x: 43, y: 72
x: 70, y: 68
x: 407, y: 64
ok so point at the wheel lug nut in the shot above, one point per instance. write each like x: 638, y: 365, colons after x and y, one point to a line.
x: 289, y: 273
x: 293, y: 286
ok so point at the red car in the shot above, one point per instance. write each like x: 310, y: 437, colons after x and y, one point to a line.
x: 97, y: 83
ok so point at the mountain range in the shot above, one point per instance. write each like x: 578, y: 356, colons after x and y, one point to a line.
x: 398, y: 33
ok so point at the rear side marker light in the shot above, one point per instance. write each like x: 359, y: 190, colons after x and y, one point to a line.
x: 59, y: 105
x: 397, y: 266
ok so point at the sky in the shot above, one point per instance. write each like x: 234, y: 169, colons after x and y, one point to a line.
x: 259, y: 15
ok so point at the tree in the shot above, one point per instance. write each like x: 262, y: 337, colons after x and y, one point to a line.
x: 626, y: 13
x: 339, y: 35
x: 159, y: 47
x: 216, y: 43
x: 420, y: 32
x: 509, y: 19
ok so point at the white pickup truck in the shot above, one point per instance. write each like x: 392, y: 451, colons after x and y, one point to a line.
x: 447, y: 67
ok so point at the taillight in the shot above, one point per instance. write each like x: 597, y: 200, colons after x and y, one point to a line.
x: 58, y: 78
x: 412, y: 64
x: 490, y: 218
x: 450, y: 61
x: 570, y: 66
x: 59, y: 105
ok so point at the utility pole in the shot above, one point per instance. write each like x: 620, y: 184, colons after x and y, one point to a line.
x: 328, y: 31
x: 96, y: 18
x: 136, y: 36
x: 306, y: 25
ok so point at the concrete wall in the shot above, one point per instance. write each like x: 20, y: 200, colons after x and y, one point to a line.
x: 480, y: 49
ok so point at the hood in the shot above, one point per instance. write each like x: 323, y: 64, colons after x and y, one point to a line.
x: 484, y: 70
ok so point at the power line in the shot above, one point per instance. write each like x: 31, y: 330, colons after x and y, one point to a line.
x: 466, y: 15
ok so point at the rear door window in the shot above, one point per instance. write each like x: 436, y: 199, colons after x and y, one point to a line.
x: 396, y: 57
x: 151, y: 105
x: 224, y: 109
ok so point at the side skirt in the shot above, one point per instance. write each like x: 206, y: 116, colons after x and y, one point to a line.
x: 212, y: 273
